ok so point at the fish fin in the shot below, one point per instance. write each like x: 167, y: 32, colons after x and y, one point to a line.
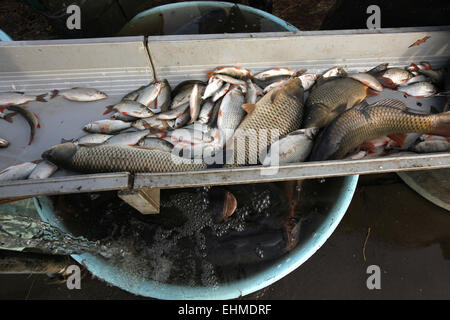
x: 249, y: 107
x: 399, y: 138
x: 274, y: 94
x: 210, y: 74
x: 393, y: 103
x: 9, y: 116
x: 386, y: 82
x: 54, y: 93
x: 38, y: 126
x: 40, y: 97
x: 340, y: 108
x: 370, y: 92
x: 299, y: 72
x: 31, y: 141
x: 109, y: 109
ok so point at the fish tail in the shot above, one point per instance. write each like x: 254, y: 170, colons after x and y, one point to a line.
x: 210, y: 74
x: 442, y: 127
x: 109, y: 109
x: 54, y: 93
x: 40, y: 97
x: 9, y: 116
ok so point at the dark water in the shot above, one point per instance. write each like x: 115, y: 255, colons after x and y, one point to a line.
x: 199, y: 19
x: 184, y: 245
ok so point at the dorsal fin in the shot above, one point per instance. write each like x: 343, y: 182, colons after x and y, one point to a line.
x: 393, y: 103
x: 249, y: 107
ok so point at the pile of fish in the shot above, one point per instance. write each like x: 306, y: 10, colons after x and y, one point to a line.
x: 159, y: 129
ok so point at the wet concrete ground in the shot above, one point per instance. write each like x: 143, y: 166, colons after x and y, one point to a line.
x: 409, y: 240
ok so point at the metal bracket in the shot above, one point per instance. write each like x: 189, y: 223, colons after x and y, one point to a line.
x: 145, y: 200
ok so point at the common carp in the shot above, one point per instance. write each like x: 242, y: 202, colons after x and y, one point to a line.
x: 117, y: 158
x: 332, y: 97
x: 366, y: 122
x: 279, y: 111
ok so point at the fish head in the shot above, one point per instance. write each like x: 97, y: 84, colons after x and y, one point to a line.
x: 294, y: 88
x: 318, y: 116
x: 60, y: 153
x: 102, y: 94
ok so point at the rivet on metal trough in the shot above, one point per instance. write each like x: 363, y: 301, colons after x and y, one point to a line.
x: 145, y: 200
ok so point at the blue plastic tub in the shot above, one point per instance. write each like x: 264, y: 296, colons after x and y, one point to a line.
x: 143, y: 22
x: 4, y: 36
x: 324, y: 225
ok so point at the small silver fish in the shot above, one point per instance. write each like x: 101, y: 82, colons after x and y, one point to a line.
x: 213, y: 86
x: 131, y: 109
x: 173, y: 113
x: 106, y: 126
x: 275, y: 84
x: 419, y: 89
x: 16, y: 98
x: 295, y: 147
x: 230, y: 113
x: 277, y: 72
x: 3, y: 143
x: 252, y: 92
x: 151, y: 123
x: 19, y: 171
x: 29, y: 116
x: 164, y: 98
x: 181, y: 120
x: 133, y: 95
x: 156, y: 143
x: 415, y: 79
x: 93, y: 138
x: 232, y: 71
x: 336, y: 71
x: 223, y: 91
x: 231, y: 80
x: 393, y: 77
x: 43, y: 170
x: 80, y: 94
x: 367, y: 79
x: 206, y: 112
x: 195, y: 103
x: 128, y: 138
x: 149, y: 93
x: 308, y: 80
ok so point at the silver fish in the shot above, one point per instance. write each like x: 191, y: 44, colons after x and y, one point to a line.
x: 252, y: 92
x: 429, y: 146
x: 16, y: 98
x: 17, y: 172
x: 156, y: 143
x: 195, y: 103
x: 181, y: 120
x: 206, y: 112
x: 275, y: 84
x: 128, y: 138
x: 164, y: 98
x: 277, y: 72
x: 213, y: 86
x: 230, y: 114
x: 308, y: 80
x: 29, y: 116
x: 149, y: 93
x: 223, y: 91
x: 419, y: 89
x: 415, y: 79
x: 393, y: 77
x: 131, y: 109
x: 150, y: 123
x: 43, y: 170
x: 80, y: 94
x: 121, y: 116
x: 93, y: 138
x: 232, y: 71
x: 3, y: 143
x: 231, y: 80
x: 184, y: 135
x: 367, y: 79
x: 173, y: 113
x: 336, y: 71
x: 133, y: 95
x: 106, y: 126
x: 295, y: 147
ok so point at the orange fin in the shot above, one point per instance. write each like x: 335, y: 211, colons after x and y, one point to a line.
x: 40, y: 98
x: 249, y: 107
x: 370, y: 92
x: 109, y: 109
x: 399, y: 138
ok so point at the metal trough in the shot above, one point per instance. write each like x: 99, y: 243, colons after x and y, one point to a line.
x: 119, y: 65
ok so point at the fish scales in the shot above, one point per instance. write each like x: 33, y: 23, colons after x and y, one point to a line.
x: 117, y: 158
x: 330, y: 98
x: 284, y: 114
x: 366, y: 122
